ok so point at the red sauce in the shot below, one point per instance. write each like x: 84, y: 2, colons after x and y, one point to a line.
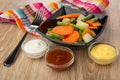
x: 58, y: 57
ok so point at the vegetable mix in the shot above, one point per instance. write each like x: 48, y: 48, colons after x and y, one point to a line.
x: 74, y: 28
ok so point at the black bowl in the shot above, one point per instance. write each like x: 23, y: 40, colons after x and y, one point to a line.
x: 51, y: 22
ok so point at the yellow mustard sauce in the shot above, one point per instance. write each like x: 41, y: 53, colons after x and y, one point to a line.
x: 103, y: 54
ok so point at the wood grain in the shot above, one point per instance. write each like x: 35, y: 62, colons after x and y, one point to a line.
x: 82, y: 69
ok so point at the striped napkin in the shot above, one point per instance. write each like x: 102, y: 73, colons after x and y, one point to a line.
x: 6, y: 18
x: 24, y: 16
x: 95, y: 6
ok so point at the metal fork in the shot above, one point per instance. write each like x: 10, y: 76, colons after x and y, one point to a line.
x: 38, y: 19
x: 35, y: 24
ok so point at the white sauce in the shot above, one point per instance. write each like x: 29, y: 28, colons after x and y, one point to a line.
x: 35, y: 46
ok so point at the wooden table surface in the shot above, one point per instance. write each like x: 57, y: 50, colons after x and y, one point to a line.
x: 83, y: 68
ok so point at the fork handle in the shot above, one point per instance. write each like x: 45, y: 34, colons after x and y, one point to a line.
x: 13, y: 55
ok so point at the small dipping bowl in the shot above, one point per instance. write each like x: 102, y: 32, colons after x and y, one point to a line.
x: 59, y: 57
x: 35, y: 48
x: 103, y: 53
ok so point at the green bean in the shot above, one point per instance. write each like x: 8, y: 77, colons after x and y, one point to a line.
x: 55, y: 36
x: 75, y: 27
x: 94, y: 19
x: 87, y: 17
x: 72, y: 20
x: 49, y: 29
x: 59, y: 23
x: 80, y: 33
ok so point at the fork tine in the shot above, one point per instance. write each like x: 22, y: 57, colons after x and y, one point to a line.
x: 39, y: 16
x: 37, y: 20
x: 36, y: 16
x: 41, y: 12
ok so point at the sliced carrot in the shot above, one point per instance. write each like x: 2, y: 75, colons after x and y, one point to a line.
x: 74, y: 15
x: 92, y: 27
x: 72, y: 37
x: 97, y: 24
x: 89, y: 22
x: 94, y: 24
x: 63, y: 30
x: 89, y: 31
